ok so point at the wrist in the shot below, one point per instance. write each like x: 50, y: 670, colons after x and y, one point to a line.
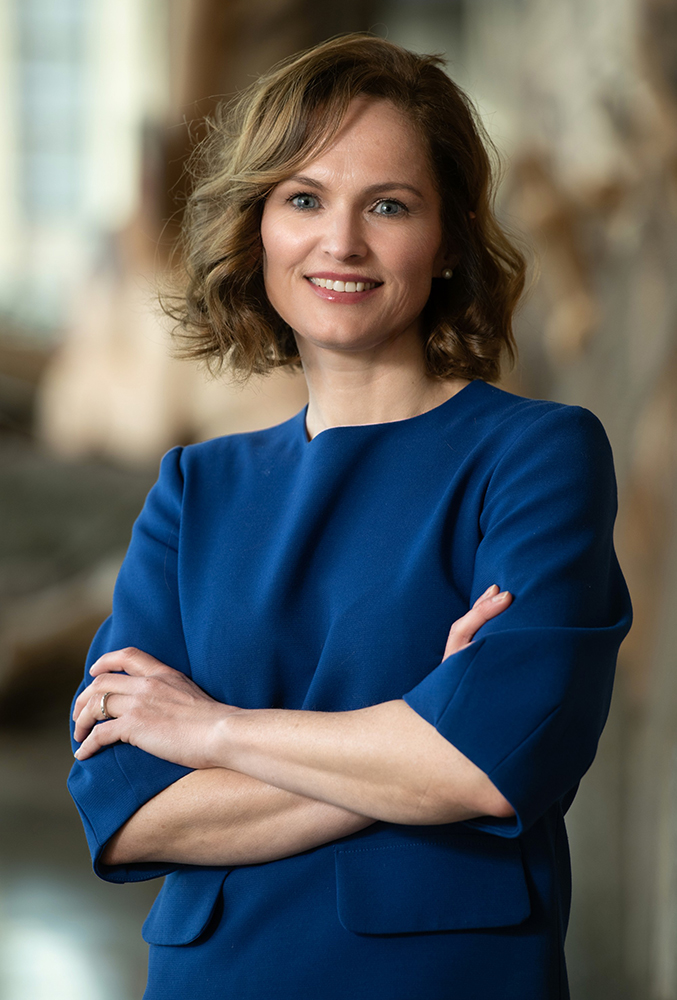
x: 221, y: 744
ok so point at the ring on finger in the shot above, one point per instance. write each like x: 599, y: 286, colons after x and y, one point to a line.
x: 104, y: 699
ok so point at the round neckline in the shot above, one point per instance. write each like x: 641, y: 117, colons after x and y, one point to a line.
x: 384, y: 423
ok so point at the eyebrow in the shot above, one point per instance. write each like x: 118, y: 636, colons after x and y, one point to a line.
x: 384, y: 186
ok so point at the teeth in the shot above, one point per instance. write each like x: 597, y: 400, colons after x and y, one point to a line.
x: 344, y: 286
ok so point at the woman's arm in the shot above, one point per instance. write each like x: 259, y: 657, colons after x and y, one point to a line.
x: 216, y: 815
x: 385, y: 761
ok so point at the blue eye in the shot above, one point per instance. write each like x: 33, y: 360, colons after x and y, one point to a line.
x: 303, y: 201
x: 389, y: 206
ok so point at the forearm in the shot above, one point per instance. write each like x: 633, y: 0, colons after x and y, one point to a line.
x: 384, y: 761
x: 221, y: 817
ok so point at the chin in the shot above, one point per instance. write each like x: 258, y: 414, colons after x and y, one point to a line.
x: 348, y: 341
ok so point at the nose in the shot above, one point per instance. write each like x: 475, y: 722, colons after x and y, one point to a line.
x: 344, y: 236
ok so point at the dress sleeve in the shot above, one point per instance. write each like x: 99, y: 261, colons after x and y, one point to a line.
x: 527, y: 700
x: 110, y: 786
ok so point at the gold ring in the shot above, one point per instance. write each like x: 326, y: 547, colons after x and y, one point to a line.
x: 104, y: 699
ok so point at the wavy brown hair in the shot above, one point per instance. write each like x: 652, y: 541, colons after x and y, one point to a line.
x: 285, y: 118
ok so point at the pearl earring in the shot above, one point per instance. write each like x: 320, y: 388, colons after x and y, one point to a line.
x: 447, y: 272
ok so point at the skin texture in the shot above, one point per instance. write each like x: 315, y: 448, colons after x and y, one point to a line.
x: 269, y: 783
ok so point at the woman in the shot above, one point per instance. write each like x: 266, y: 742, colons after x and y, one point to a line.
x: 343, y: 804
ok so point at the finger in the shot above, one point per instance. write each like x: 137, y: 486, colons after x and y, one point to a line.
x: 93, y: 712
x: 130, y: 661
x: 82, y: 701
x: 89, y: 709
x: 463, y: 629
x: 483, y: 612
x: 117, y: 682
x: 490, y: 606
x: 489, y: 592
x: 101, y: 736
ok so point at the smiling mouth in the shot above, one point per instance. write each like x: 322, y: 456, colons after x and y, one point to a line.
x: 344, y: 286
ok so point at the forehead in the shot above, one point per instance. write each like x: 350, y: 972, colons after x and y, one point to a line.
x: 377, y: 139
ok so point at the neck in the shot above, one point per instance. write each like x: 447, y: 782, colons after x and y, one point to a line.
x: 345, y: 389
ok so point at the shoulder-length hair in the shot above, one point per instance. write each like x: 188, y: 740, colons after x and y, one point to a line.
x: 285, y: 118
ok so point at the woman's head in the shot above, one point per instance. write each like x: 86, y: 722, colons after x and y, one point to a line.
x: 291, y: 117
x: 353, y: 239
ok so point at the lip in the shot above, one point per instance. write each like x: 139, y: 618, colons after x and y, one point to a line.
x: 332, y: 276
x: 342, y: 298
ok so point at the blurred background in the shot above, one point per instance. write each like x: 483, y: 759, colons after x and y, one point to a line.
x: 100, y: 101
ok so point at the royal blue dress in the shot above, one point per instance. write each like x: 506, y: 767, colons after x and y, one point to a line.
x: 324, y: 575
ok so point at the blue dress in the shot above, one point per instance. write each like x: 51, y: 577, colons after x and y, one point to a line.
x: 324, y: 575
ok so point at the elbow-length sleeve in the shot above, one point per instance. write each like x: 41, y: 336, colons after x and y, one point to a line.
x: 110, y: 786
x: 526, y: 701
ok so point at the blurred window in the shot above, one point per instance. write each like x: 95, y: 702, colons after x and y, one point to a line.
x: 51, y: 50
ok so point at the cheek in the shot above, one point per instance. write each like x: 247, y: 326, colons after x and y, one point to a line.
x: 414, y: 258
x: 415, y: 269
x: 283, y: 245
x: 281, y: 253
x: 273, y: 259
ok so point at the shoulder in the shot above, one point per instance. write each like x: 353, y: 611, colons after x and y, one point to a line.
x: 226, y: 451
x: 547, y: 455
x: 507, y: 416
x: 503, y: 429
x: 197, y: 483
x: 227, y: 456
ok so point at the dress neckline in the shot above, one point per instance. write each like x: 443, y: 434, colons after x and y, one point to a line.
x: 425, y: 417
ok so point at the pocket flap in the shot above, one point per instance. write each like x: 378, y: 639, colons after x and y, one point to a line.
x: 184, y: 906
x: 468, y: 880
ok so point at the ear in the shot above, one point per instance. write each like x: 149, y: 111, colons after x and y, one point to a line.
x: 443, y: 260
x: 446, y: 256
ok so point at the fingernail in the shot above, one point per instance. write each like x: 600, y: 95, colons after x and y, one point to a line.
x: 499, y: 597
x: 486, y: 593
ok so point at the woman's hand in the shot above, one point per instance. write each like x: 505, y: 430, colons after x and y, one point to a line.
x: 160, y: 710
x: 490, y: 604
x: 150, y: 705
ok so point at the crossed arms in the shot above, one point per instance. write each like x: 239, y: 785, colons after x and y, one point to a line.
x: 270, y: 783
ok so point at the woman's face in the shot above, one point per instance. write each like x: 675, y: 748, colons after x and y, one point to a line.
x: 365, y: 213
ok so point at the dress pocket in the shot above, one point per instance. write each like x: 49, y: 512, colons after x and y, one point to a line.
x: 462, y: 881
x: 184, y: 906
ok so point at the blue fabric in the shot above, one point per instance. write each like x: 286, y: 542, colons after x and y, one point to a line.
x: 324, y: 575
